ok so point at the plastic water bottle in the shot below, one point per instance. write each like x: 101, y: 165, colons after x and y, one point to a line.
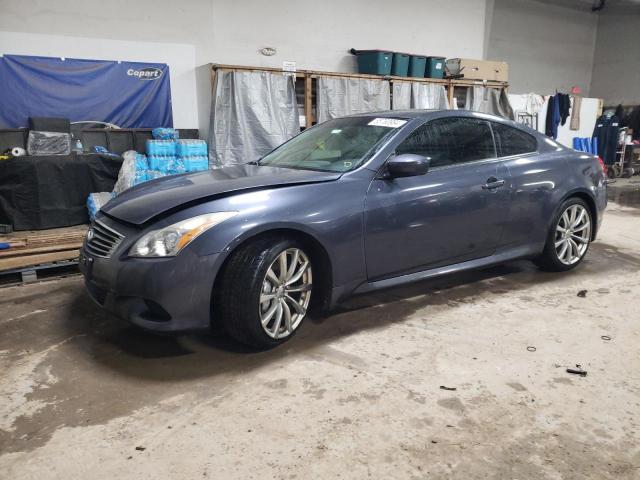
x: 78, y: 148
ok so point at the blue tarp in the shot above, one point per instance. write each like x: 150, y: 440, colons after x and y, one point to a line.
x: 128, y: 94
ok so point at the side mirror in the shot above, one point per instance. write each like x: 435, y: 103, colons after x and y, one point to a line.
x: 407, y: 165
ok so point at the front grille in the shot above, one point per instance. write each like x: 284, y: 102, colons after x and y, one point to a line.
x: 103, y: 241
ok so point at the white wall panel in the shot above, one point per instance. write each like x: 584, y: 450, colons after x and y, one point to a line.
x: 547, y: 46
x: 190, y: 33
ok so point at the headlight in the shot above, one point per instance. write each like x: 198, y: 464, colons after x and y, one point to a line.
x: 168, y: 241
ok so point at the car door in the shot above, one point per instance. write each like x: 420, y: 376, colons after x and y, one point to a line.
x: 532, y: 178
x: 451, y: 214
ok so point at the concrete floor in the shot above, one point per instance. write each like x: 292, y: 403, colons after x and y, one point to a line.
x: 354, y: 395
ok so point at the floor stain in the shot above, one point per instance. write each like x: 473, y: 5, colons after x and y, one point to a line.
x: 452, y: 403
x: 517, y: 386
x: 277, y: 384
x: 563, y: 380
x: 627, y: 196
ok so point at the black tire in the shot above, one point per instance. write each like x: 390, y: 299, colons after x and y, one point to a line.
x: 237, y: 299
x: 549, y: 260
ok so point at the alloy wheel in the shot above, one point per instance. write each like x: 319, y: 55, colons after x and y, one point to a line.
x: 286, y: 292
x: 573, y: 234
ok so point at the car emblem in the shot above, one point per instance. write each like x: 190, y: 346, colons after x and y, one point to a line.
x: 89, y: 234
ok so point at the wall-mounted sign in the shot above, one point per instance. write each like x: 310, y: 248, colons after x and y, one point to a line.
x: 127, y: 94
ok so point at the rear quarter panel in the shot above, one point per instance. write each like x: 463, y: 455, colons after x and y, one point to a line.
x: 540, y: 182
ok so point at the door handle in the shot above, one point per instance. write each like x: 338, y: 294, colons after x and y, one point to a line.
x: 492, y: 183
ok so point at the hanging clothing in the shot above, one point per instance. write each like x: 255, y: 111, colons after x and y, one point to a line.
x: 548, y: 121
x: 606, y: 131
x: 553, y: 117
x: 633, y: 122
x: 575, y: 113
x: 564, y: 104
x: 533, y: 103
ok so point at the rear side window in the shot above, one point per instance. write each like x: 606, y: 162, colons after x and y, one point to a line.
x: 449, y: 141
x: 511, y: 141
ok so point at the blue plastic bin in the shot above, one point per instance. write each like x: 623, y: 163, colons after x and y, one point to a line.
x: 417, y: 66
x: 374, y: 62
x: 577, y: 143
x: 400, y: 64
x: 435, y: 67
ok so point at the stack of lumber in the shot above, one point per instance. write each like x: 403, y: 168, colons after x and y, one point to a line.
x: 27, y: 249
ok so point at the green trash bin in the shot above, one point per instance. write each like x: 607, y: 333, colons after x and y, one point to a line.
x: 373, y: 62
x: 417, y: 66
x: 435, y: 67
x: 400, y: 65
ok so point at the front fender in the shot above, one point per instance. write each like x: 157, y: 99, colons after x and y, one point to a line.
x: 330, y: 212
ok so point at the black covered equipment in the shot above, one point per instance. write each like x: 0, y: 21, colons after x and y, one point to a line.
x: 51, y: 191
x: 49, y: 124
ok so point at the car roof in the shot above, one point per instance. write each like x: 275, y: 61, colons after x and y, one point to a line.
x: 397, y: 114
x: 428, y: 113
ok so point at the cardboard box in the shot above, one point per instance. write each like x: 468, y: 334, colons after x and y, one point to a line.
x: 479, y: 69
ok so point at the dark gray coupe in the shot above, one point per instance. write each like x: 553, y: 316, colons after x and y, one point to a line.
x: 349, y: 206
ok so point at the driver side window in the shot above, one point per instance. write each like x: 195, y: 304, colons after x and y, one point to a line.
x: 449, y: 141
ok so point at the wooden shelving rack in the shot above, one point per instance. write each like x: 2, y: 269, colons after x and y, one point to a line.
x: 306, y: 77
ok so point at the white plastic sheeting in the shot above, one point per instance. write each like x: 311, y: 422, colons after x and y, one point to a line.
x: 407, y: 95
x: 251, y: 114
x: 489, y: 100
x: 127, y: 174
x: 338, y: 96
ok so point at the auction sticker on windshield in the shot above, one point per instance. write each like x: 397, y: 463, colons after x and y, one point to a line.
x: 387, y: 122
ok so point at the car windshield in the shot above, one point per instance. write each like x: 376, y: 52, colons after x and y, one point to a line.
x: 334, y: 146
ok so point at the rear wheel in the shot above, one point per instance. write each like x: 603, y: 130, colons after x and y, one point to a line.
x: 569, y: 237
x: 265, y: 291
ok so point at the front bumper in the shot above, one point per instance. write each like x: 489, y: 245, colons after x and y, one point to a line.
x: 160, y: 294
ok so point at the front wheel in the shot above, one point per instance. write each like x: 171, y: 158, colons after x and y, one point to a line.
x: 265, y: 291
x: 569, y: 237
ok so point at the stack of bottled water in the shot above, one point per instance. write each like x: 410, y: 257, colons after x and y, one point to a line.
x: 168, y: 155
x: 192, y: 155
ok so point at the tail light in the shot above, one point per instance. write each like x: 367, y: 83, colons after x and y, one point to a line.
x: 603, y: 166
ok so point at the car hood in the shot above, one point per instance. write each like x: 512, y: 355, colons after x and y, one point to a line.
x: 151, y: 199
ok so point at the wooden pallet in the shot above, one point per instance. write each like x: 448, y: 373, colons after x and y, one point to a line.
x: 38, y: 248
